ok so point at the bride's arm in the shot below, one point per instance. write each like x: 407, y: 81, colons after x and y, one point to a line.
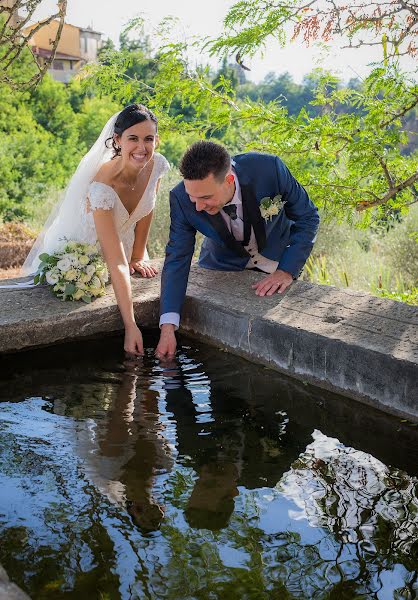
x: 142, y: 230
x: 137, y: 263
x: 115, y: 258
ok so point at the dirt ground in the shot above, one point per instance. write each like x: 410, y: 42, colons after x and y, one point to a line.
x: 15, y: 242
x: 9, y: 273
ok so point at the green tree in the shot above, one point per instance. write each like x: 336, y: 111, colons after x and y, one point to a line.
x: 31, y: 159
x: 348, y: 154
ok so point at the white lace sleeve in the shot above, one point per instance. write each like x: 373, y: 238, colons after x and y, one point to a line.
x: 101, y: 195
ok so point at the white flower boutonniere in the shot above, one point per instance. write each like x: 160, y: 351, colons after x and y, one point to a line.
x: 269, y: 207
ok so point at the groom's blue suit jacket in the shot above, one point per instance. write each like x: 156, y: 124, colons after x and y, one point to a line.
x: 288, y: 237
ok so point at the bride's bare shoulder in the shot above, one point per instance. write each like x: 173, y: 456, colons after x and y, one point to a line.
x: 106, y: 173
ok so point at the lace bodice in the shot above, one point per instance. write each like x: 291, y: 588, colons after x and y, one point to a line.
x: 73, y: 219
x: 101, y: 195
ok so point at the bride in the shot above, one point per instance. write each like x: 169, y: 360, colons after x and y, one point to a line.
x: 110, y: 199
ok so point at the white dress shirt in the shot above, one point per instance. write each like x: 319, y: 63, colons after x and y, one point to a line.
x: 236, y: 227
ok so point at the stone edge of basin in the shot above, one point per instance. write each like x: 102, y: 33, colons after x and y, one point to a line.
x: 381, y: 391
x: 9, y: 590
x: 276, y: 332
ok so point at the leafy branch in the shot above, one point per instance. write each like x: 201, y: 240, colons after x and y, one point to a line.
x: 391, y: 24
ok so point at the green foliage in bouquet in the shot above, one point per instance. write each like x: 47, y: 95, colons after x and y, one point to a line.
x: 77, y: 272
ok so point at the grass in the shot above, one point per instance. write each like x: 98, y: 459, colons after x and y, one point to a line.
x: 383, y: 263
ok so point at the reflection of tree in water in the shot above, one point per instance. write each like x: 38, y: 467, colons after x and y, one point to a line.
x: 368, y: 514
x: 253, y: 509
x: 351, y: 492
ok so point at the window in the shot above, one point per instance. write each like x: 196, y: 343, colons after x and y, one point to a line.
x: 58, y: 65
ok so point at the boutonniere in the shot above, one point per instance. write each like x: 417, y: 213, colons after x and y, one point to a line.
x: 269, y: 207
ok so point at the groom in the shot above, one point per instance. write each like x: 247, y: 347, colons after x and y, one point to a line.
x: 253, y: 214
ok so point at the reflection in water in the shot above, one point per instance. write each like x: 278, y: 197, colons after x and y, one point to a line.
x: 123, y: 451
x: 203, y: 478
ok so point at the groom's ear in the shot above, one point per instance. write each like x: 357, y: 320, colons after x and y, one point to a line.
x: 229, y: 178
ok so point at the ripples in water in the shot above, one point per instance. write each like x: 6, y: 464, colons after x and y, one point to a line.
x: 204, y: 478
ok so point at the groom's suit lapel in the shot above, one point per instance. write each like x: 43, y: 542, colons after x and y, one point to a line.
x: 221, y: 228
x: 251, y: 210
x: 252, y: 216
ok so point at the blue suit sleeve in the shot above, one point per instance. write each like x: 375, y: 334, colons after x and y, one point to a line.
x: 302, y: 211
x: 179, y: 253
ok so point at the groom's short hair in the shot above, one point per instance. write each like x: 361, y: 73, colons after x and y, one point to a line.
x: 203, y: 158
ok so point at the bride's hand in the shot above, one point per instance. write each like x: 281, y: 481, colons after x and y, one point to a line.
x: 133, y: 341
x: 142, y: 267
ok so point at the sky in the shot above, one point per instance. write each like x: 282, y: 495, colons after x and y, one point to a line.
x: 204, y: 18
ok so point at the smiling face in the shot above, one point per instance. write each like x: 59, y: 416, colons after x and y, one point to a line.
x: 210, y: 194
x: 138, y: 144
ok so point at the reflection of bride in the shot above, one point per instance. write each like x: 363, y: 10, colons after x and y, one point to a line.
x: 123, y: 455
x: 110, y: 199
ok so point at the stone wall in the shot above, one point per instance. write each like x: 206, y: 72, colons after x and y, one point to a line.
x: 363, y: 347
x: 8, y: 590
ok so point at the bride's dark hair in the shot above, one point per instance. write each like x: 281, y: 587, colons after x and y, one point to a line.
x: 131, y: 115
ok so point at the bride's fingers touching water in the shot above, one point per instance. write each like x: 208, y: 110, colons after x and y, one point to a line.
x: 142, y: 267
x: 133, y: 341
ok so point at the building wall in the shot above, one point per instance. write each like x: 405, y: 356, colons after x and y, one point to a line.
x: 68, y: 44
x: 74, y: 42
x: 61, y: 76
x: 90, y: 43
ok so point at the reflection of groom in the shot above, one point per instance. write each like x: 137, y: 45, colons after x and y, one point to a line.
x: 221, y: 199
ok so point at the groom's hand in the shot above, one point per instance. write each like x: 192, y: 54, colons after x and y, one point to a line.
x: 167, y: 345
x: 278, y: 281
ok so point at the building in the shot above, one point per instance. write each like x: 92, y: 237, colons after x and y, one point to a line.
x: 76, y: 47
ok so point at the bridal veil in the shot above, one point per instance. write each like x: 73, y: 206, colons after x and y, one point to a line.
x: 67, y: 220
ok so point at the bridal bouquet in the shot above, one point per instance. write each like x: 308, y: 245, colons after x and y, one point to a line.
x: 77, y: 272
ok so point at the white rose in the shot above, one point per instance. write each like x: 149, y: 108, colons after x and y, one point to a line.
x: 71, y: 275
x: 73, y: 257
x: 91, y: 269
x: 95, y: 283
x: 90, y: 249
x: 71, y: 246
x: 84, y: 260
x: 52, y: 277
x: 64, y: 264
x: 96, y: 291
x: 103, y: 275
x: 78, y: 294
x: 85, y: 277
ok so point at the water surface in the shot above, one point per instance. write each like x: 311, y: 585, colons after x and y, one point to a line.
x: 204, y: 478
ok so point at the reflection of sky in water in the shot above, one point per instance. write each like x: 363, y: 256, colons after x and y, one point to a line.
x: 331, y: 518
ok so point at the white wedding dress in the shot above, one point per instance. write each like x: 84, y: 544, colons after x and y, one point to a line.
x: 103, y: 196
x: 80, y: 226
x: 72, y: 217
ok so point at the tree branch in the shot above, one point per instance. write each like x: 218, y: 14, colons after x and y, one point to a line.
x: 15, y: 41
x: 406, y: 109
x: 365, y: 204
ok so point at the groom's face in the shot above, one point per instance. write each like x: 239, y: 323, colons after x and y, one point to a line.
x: 210, y: 194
